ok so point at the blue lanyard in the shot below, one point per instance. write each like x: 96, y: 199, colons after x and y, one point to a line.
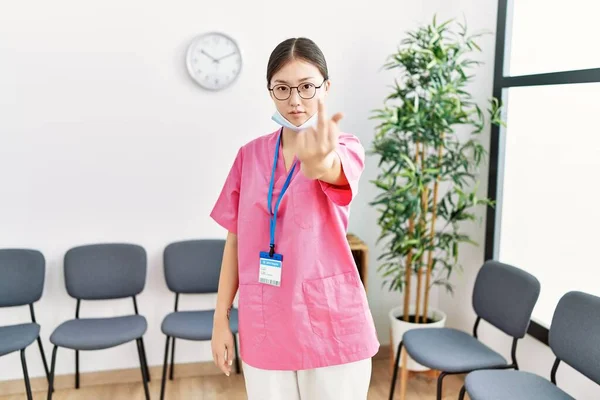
x: 283, y: 190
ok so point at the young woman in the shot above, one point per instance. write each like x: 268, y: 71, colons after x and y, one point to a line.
x: 306, y: 331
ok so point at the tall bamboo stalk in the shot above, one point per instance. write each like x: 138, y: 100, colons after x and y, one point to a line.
x: 419, y: 290
x: 408, y: 266
x: 408, y: 271
x: 432, y: 231
x: 420, y: 262
x: 423, y: 222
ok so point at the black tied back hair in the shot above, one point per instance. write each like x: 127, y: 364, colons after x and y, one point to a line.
x: 296, y: 49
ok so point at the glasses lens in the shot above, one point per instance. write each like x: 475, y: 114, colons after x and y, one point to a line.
x: 281, y: 92
x: 307, y: 90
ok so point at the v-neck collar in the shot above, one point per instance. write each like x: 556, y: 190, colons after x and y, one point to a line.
x: 281, y: 172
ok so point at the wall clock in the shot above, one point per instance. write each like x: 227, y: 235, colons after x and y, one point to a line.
x: 214, y: 60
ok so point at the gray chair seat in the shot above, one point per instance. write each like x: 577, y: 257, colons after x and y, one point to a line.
x: 511, y: 385
x: 99, y: 333
x: 194, y: 325
x: 17, y: 337
x: 450, y: 350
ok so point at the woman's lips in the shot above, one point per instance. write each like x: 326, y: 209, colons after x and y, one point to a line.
x: 296, y: 114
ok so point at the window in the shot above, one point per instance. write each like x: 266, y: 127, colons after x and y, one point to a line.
x: 544, y: 165
x: 550, y: 36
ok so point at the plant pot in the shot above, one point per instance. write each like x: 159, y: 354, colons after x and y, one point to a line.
x: 400, y: 326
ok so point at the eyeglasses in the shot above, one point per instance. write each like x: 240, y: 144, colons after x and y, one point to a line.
x: 305, y: 90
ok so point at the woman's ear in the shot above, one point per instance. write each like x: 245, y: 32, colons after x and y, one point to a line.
x: 327, y: 86
x: 271, y: 94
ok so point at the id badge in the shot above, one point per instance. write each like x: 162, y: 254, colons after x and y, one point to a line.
x: 270, y: 268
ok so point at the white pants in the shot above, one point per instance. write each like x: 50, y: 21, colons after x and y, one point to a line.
x: 339, y: 382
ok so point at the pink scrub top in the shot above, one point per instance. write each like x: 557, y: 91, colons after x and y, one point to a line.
x: 319, y: 315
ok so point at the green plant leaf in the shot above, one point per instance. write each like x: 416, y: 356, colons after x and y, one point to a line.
x: 430, y: 104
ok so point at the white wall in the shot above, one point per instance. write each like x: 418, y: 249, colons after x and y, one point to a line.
x: 531, y: 354
x: 105, y: 138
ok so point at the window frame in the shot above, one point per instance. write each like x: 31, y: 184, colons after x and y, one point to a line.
x: 501, y: 85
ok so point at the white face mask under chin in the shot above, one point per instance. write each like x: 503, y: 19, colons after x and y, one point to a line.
x: 281, y: 120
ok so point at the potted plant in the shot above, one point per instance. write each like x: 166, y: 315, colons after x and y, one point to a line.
x: 429, y: 156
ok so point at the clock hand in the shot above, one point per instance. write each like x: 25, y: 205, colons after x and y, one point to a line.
x: 228, y: 55
x: 209, y: 56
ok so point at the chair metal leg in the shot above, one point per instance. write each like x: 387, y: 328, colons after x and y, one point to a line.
x: 172, y: 371
x: 395, y: 374
x: 76, y: 369
x: 164, y: 372
x: 26, y: 375
x: 439, y: 385
x: 39, y: 340
x: 461, y: 395
x: 52, y: 369
x: 237, y: 358
x: 144, y: 377
x: 145, y: 359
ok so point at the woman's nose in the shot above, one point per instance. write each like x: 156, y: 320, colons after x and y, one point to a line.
x: 294, y: 99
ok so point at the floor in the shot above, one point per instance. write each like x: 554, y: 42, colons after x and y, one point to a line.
x: 232, y: 388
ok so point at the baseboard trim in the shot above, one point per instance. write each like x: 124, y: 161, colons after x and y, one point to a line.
x: 124, y: 376
x: 109, y: 377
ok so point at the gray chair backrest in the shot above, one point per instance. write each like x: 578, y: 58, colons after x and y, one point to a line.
x: 193, y: 266
x: 505, y: 297
x: 105, y: 271
x: 575, y: 333
x: 22, y: 274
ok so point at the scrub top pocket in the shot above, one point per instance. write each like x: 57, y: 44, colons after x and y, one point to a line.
x: 335, y: 305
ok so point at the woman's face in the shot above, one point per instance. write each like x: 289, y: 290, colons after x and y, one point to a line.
x: 295, y: 90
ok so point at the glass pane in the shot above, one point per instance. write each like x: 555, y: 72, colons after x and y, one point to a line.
x: 550, y: 189
x: 551, y: 36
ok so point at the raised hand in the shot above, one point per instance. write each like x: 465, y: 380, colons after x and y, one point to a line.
x: 315, y: 145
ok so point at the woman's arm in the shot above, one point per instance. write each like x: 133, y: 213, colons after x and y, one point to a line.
x: 222, y: 340
x: 229, y: 279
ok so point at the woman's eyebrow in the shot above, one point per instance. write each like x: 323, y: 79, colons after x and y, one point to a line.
x: 301, y: 80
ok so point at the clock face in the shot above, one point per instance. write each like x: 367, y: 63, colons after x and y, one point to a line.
x: 214, y: 60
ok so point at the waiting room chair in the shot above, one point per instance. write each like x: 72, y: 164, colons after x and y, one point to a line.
x: 574, y: 338
x: 504, y: 296
x: 22, y: 275
x: 103, y: 272
x: 192, y: 267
